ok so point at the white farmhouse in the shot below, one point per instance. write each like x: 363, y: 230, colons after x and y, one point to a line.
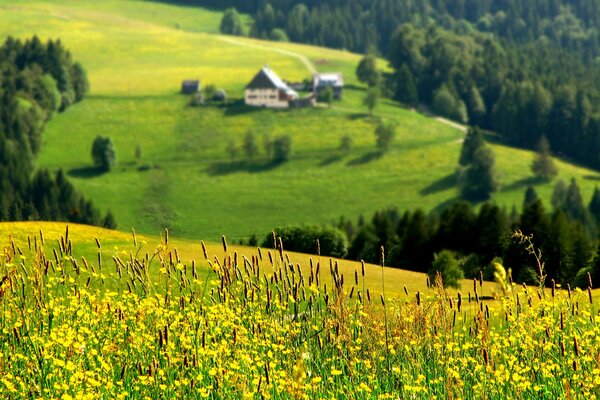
x: 268, y: 90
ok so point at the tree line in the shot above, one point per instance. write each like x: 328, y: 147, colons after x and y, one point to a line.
x: 360, y: 25
x: 38, y: 80
x: 566, y: 236
x: 476, y: 239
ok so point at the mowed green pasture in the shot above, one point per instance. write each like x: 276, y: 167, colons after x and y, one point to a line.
x: 136, y: 58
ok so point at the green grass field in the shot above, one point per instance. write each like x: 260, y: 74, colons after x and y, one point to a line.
x: 136, y: 54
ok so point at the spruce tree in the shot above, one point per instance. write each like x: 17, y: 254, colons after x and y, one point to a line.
x: 231, y: 24
x: 594, y: 206
x: 371, y: 98
x: 477, y: 181
x: 543, y: 167
x: 530, y: 196
x: 559, y: 194
x: 473, y: 142
x: 406, y: 88
x: 367, y: 72
x: 573, y: 206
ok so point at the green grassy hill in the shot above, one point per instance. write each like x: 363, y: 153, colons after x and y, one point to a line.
x: 136, y: 54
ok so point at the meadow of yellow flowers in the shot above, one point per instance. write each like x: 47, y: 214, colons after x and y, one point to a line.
x: 147, y: 326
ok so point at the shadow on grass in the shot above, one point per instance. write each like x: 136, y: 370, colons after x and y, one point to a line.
x: 357, y: 116
x: 355, y: 87
x: 591, y: 177
x: 445, y: 183
x: 331, y: 160
x: 85, y: 172
x: 233, y: 167
x: 366, y: 158
x: 238, y: 107
x: 523, y: 183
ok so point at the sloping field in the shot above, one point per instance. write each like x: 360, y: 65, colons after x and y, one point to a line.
x: 121, y: 244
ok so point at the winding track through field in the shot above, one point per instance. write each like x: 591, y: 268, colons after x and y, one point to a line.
x: 309, y: 65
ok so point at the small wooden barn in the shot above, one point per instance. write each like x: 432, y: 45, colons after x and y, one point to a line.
x: 190, y: 86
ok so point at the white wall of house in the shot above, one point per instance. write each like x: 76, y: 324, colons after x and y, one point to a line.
x: 265, y: 98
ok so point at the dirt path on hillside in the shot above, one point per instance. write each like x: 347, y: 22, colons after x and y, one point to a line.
x: 444, y: 121
x: 309, y: 65
x: 453, y: 124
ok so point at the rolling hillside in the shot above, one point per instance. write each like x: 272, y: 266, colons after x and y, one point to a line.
x: 136, y: 54
x: 121, y: 244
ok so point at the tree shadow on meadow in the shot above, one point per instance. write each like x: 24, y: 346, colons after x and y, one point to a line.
x: 523, y: 183
x: 365, y: 159
x: 234, y: 167
x: 86, y: 172
x: 238, y: 107
x: 332, y: 160
x: 442, y: 184
x: 591, y: 177
x: 358, y: 115
x: 350, y: 86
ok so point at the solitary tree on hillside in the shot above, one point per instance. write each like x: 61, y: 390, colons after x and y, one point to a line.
x: 282, y: 149
x: 473, y: 142
x: 326, y: 96
x: 384, y: 134
x: 231, y: 24
x: 367, y: 72
x: 250, y: 146
x: 232, y: 149
x: 103, y: 153
x: 346, y: 144
x: 371, y: 99
x: 543, y: 167
x: 477, y: 180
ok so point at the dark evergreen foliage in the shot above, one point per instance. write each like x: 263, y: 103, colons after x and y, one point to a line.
x: 406, y: 88
x: 477, y: 180
x: 36, y: 80
x: 331, y: 241
x: 367, y: 72
x: 473, y: 142
x: 543, y: 167
x: 104, y: 154
x: 477, y: 238
x: 231, y: 24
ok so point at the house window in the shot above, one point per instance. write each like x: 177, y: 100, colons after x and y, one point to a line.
x: 252, y: 96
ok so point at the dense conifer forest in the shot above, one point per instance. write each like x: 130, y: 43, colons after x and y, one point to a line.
x: 37, y: 80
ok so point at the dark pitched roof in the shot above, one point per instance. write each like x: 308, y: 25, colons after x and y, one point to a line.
x: 261, y: 81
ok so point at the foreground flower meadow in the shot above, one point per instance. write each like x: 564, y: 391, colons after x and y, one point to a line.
x: 147, y: 326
